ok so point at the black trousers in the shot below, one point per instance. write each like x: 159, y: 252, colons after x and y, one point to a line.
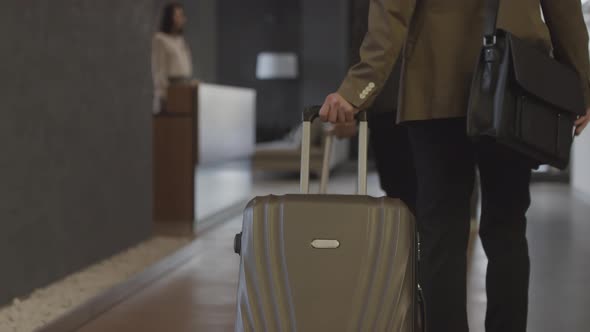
x: 445, y: 160
x: 393, y: 157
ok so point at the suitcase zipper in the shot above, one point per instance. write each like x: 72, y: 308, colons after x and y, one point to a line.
x: 418, y: 244
x: 421, y: 304
x: 422, y: 308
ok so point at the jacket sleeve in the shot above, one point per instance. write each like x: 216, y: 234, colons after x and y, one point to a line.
x: 569, y: 36
x: 387, y: 30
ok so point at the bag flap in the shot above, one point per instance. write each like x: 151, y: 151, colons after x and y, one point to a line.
x: 545, y: 78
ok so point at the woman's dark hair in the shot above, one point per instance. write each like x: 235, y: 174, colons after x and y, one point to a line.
x: 167, y: 23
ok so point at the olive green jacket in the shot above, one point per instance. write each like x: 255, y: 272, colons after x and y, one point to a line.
x: 439, y: 43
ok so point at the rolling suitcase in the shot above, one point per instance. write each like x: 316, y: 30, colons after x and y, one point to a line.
x: 328, y: 262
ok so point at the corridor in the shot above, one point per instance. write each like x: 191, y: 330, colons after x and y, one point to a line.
x: 199, y: 295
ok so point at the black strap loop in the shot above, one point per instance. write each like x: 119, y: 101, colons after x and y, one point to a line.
x: 490, y: 22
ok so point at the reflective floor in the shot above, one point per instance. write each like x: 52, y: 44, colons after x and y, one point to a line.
x: 220, y: 186
x: 558, y: 232
x: 200, y: 295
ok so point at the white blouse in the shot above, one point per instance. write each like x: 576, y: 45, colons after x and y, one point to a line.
x: 171, y: 58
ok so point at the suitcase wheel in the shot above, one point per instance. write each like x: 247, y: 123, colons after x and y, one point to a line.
x: 238, y: 243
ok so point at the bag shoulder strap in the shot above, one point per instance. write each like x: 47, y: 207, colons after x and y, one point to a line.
x: 490, y: 21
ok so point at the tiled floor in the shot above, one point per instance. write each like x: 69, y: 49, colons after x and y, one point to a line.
x: 200, y: 295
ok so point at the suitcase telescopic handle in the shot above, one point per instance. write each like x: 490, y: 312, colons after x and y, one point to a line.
x: 309, y: 115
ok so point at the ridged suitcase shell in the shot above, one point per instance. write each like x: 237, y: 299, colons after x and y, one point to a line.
x: 361, y: 278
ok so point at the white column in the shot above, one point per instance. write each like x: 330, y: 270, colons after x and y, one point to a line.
x: 581, y: 165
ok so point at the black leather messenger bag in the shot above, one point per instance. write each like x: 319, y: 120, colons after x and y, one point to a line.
x: 522, y: 97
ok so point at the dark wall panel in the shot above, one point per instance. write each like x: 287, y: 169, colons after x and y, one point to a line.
x: 326, y: 44
x: 201, y: 34
x: 246, y: 28
x: 75, y: 135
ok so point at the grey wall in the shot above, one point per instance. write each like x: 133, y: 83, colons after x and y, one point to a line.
x: 246, y: 28
x: 201, y: 34
x: 75, y: 135
x: 318, y: 31
x: 359, y: 19
x: 326, y: 42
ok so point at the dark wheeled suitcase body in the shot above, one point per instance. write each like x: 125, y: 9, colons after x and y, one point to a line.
x: 328, y: 262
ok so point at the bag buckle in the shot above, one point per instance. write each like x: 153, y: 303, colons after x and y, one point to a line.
x: 489, y: 41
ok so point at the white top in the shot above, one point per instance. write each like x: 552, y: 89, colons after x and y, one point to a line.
x: 171, y: 57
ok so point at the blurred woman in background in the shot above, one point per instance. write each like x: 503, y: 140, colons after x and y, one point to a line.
x: 171, y: 55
